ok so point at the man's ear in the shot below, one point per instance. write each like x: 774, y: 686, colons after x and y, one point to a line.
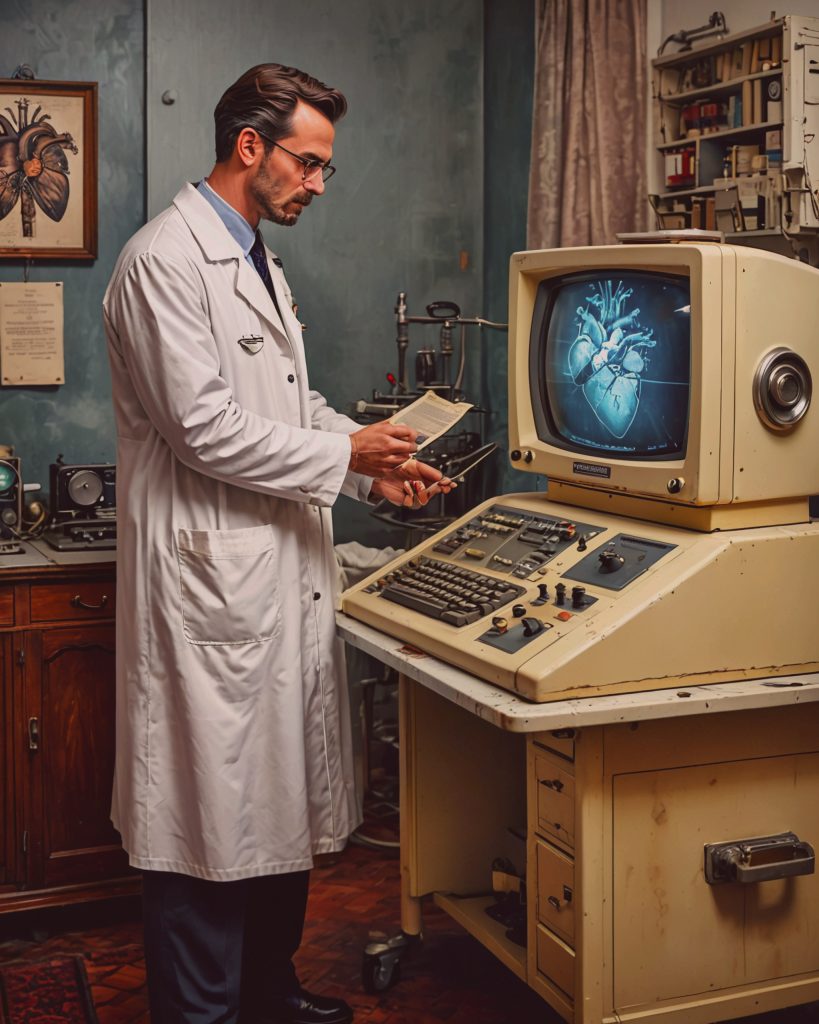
x: 249, y: 147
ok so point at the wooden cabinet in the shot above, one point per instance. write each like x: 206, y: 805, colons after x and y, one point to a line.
x: 57, y: 699
x: 623, y: 921
x: 735, y: 126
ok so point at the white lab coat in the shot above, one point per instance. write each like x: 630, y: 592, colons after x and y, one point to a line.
x: 233, y: 737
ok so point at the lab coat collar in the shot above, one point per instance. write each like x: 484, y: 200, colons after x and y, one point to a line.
x: 218, y: 245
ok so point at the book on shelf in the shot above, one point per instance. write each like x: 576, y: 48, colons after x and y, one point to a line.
x: 747, y: 103
x: 758, y: 115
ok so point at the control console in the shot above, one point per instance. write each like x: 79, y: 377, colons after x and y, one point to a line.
x: 554, y: 601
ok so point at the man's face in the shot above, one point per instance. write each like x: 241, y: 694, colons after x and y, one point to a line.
x: 277, y: 187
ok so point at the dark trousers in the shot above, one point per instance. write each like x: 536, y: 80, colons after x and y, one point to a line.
x: 219, y: 952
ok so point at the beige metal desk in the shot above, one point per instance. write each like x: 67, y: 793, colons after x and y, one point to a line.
x: 606, y: 804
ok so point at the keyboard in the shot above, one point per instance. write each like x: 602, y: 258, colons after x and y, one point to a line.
x: 444, y: 591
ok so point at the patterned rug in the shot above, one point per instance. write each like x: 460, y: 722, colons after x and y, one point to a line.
x: 53, y: 991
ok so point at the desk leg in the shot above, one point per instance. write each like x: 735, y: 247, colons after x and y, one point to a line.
x: 410, y: 905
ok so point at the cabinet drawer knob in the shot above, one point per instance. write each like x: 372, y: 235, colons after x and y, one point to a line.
x: 553, y: 901
x: 554, y: 784
x: 78, y: 602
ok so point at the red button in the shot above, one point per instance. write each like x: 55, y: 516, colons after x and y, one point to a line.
x: 563, y: 616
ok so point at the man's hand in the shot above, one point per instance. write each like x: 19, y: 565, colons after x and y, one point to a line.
x: 381, y: 448
x: 411, y: 485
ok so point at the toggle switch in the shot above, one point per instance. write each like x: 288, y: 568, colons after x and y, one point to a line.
x: 560, y: 594
x: 542, y: 594
x: 500, y: 624
x: 578, y: 597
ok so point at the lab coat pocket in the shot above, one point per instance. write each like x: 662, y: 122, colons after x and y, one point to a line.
x: 229, y: 585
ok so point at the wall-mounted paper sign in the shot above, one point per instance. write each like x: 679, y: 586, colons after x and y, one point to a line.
x: 31, y: 333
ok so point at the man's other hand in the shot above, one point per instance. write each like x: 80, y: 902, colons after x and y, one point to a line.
x: 381, y: 448
x: 411, y: 485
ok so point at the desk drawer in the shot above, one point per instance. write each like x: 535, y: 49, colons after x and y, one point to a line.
x: 561, y: 741
x: 555, y: 891
x: 6, y: 606
x: 555, y: 960
x: 86, y: 599
x: 555, y: 799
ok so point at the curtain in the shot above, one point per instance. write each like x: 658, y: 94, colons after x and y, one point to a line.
x: 588, y: 178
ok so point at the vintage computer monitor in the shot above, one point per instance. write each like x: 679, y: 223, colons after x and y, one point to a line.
x: 664, y: 390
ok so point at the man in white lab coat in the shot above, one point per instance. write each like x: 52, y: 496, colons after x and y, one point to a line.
x: 233, y: 760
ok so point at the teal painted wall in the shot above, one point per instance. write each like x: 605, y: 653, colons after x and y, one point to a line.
x: 509, y: 77
x: 433, y: 160
x: 80, y: 40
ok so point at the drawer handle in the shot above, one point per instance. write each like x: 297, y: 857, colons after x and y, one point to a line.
x: 553, y: 901
x: 78, y: 602
x: 758, y: 860
x: 554, y: 784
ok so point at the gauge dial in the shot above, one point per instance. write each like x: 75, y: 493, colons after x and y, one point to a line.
x: 85, y: 488
x: 8, y: 477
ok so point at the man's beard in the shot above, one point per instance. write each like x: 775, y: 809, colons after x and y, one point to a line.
x: 262, y: 190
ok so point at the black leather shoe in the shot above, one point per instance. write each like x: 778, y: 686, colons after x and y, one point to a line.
x: 305, y: 1008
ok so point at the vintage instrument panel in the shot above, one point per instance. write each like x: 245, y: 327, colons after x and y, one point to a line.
x: 553, y: 601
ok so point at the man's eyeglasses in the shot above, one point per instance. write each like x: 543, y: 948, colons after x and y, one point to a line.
x: 311, y: 168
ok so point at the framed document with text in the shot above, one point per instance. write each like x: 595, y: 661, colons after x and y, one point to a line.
x: 48, y: 169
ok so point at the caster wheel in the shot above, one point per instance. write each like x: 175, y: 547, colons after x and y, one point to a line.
x: 377, y: 974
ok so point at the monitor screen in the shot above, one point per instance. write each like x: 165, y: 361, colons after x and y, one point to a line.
x: 610, y: 367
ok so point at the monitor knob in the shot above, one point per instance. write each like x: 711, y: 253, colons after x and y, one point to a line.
x: 782, y: 389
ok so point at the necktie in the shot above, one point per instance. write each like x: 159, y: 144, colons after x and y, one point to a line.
x: 259, y: 257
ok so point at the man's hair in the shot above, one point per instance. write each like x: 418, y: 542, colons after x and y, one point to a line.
x: 264, y: 99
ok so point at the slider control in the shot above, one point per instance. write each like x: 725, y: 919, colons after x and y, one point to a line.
x: 531, y: 626
x: 578, y: 597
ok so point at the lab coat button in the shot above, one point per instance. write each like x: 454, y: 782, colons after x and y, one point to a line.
x: 316, y: 596
x: 290, y: 378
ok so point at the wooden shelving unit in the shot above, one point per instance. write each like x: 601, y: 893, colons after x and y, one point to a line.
x: 736, y: 130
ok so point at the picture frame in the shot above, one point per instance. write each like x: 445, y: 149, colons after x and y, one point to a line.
x: 48, y: 169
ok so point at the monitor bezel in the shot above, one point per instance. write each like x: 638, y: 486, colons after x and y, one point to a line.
x: 693, y: 478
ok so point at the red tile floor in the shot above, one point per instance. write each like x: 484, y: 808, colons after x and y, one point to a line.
x: 450, y: 979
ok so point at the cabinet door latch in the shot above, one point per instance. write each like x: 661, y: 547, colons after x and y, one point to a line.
x: 758, y: 860
x: 21, y: 657
x: 33, y: 734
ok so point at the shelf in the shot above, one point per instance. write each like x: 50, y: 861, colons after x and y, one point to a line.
x: 470, y: 913
x: 723, y: 133
x: 683, y: 57
x: 716, y: 88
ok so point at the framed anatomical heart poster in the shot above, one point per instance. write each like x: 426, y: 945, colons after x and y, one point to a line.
x: 48, y: 169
